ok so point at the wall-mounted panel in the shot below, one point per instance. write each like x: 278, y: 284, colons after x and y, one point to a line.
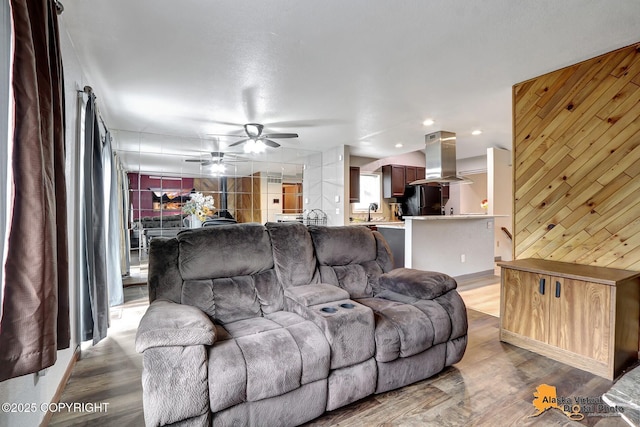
x: 577, y: 163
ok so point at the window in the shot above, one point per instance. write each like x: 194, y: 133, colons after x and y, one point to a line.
x: 370, y: 192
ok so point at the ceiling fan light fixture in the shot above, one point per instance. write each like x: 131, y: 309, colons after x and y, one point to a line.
x: 217, y: 168
x: 254, y: 146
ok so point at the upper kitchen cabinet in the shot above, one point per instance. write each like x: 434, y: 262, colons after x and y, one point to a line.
x: 354, y: 184
x: 393, y: 181
x: 412, y: 173
x: 409, y: 174
x: 395, y: 177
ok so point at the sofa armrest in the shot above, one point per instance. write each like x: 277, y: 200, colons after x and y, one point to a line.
x: 168, y: 324
x: 321, y: 293
x: 416, y: 283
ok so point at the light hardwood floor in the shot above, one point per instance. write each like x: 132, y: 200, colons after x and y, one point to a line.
x: 485, y: 299
x: 493, y: 385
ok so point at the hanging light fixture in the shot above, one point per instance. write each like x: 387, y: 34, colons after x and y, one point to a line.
x: 254, y: 146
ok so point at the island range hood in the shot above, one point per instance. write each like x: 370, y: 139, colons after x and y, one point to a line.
x: 440, y: 154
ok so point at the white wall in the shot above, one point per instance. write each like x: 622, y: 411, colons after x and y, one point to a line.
x: 34, y: 388
x: 472, y: 195
x: 500, y: 185
x: 335, y: 164
x: 325, y: 184
x: 312, y: 183
x: 366, y: 164
x: 270, y: 190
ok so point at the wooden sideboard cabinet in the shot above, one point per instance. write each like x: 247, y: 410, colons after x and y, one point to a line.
x: 587, y: 317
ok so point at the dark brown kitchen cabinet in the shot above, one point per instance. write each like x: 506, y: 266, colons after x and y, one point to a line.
x: 445, y: 192
x: 354, y: 184
x: 393, y: 181
x: 420, y: 173
x: 410, y: 174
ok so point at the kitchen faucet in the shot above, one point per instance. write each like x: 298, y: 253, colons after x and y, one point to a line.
x: 373, y: 206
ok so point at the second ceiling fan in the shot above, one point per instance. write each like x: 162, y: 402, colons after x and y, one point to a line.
x: 256, y: 140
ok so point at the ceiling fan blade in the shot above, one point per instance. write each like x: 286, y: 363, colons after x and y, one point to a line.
x: 195, y: 160
x: 242, y: 141
x: 270, y: 143
x: 227, y: 135
x: 281, y: 135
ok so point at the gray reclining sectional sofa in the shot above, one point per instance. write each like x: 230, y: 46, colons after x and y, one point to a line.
x: 276, y: 324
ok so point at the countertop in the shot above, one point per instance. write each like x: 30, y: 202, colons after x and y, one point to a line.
x: 449, y: 217
x: 379, y: 223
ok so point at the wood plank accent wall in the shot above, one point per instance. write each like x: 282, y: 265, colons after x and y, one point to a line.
x: 577, y: 163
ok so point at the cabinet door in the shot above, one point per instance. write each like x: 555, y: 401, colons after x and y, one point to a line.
x: 354, y: 184
x: 525, y: 300
x: 393, y: 180
x: 397, y: 180
x: 409, y: 174
x: 580, y: 317
x: 420, y: 173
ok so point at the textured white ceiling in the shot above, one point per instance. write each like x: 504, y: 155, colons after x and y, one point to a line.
x: 360, y: 73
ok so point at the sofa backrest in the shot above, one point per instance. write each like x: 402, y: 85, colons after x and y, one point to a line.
x: 226, y: 271
x: 351, y: 257
x: 293, y: 254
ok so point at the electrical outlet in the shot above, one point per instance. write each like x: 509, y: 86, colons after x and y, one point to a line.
x: 463, y: 258
x: 337, y: 211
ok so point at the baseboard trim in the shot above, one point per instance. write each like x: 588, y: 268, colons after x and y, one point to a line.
x: 61, y: 386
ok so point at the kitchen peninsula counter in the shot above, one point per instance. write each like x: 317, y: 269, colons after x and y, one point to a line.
x: 459, y: 245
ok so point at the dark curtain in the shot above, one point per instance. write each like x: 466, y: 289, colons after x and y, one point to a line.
x: 95, y: 294
x: 35, y: 304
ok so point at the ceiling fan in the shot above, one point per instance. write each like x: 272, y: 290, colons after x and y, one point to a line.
x: 256, y: 140
x: 215, y: 162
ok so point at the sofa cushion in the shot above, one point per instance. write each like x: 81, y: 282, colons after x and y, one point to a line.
x: 293, y: 254
x: 417, y: 283
x: 265, y: 357
x: 401, y: 330
x: 343, y: 245
x: 234, y: 298
x: 226, y: 251
x: 316, y: 294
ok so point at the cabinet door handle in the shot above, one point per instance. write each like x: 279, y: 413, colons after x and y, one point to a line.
x: 557, y: 289
x: 542, y: 280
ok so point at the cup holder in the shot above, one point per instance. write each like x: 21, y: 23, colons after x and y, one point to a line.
x: 347, y: 305
x: 329, y: 309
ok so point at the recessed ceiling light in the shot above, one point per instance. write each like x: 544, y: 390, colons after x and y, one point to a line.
x: 398, y: 145
x: 476, y: 132
x: 428, y: 122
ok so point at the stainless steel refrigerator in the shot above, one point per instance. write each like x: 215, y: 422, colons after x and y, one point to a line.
x: 423, y: 199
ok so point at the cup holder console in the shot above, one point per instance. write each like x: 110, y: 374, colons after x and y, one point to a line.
x: 331, y: 310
